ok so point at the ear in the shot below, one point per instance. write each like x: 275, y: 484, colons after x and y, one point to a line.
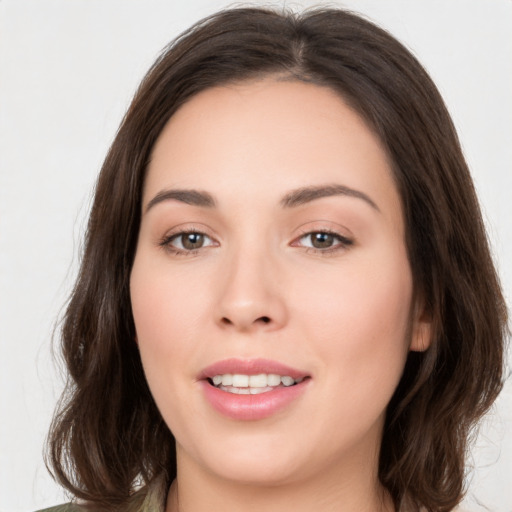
x: 421, y: 332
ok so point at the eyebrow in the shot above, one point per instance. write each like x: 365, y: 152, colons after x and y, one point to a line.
x: 307, y: 194
x: 191, y: 197
x: 293, y: 199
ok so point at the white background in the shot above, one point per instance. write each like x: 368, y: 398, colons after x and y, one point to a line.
x: 68, y: 69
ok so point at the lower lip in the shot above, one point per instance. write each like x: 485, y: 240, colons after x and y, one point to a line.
x: 252, y: 407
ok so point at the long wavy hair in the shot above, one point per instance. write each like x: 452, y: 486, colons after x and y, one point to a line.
x: 108, y: 440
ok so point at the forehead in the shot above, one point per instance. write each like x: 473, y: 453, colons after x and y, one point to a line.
x: 262, y: 138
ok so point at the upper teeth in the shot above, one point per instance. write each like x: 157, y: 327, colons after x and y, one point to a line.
x: 253, y: 381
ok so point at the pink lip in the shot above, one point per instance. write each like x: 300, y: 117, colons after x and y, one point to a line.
x: 251, y: 407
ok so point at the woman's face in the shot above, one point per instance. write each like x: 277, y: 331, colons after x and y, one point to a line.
x: 272, y: 246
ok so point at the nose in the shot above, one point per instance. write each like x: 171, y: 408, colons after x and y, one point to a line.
x: 251, y: 295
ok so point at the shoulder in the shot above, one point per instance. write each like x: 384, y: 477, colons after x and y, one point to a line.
x: 150, y: 498
x: 67, y: 507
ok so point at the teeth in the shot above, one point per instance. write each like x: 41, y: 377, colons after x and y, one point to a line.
x: 287, y: 381
x: 273, y: 380
x: 258, y: 381
x: 240, y: 381
x: 253, y: 384
x: 227, y: 380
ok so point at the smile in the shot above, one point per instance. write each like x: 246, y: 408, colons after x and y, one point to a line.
x: 251, y: 390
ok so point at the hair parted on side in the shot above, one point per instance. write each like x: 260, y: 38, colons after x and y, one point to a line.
x: 108, y: 434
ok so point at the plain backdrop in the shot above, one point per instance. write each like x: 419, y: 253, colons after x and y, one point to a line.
x: 68, y: 69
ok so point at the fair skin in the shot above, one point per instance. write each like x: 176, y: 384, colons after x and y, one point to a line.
x: 318, y: 281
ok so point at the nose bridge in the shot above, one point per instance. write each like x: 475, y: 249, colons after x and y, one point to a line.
x: 250, y: 295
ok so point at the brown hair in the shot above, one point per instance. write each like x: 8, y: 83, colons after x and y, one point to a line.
x: 108, y: 434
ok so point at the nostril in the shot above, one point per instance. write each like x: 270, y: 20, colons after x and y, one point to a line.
x: 260, y: 320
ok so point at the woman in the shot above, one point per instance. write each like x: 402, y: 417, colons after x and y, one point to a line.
x: 286, y: 298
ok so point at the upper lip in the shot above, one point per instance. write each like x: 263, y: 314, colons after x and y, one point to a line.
x: 250, y: 367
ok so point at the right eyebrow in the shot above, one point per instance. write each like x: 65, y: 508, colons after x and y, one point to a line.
x: 187, y: 196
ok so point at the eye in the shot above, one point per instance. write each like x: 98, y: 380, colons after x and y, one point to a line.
x: 187, y: 241
x: 324, y: 241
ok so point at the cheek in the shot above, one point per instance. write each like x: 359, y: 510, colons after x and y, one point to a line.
x: 370, y: 291
x: 165, y: 304
x: 164, y: 315
x: 359, y: 317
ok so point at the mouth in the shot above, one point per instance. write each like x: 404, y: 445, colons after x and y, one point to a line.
x: 252, y: 389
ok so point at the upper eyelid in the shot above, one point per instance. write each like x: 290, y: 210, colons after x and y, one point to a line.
x: 322, y: 230
x: 324, y: 226
x: 189, y: 228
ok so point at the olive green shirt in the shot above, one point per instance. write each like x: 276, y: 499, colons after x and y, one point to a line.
x: 151, y: 501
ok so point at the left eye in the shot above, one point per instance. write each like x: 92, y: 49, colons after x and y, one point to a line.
x: 189, y: 241
x: 323, y: 240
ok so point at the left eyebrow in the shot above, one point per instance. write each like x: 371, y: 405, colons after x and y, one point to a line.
x: 305, y: 195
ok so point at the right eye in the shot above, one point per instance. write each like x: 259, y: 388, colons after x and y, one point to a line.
x: 187, y: 242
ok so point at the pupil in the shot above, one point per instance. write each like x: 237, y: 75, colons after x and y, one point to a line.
x: 193, y: 240
x: 322, y: 240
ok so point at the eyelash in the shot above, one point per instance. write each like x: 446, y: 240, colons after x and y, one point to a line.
x: 343, y: 242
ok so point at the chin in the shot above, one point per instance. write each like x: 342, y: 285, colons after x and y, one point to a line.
x: 252, y: 460
x: 258, y: 473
